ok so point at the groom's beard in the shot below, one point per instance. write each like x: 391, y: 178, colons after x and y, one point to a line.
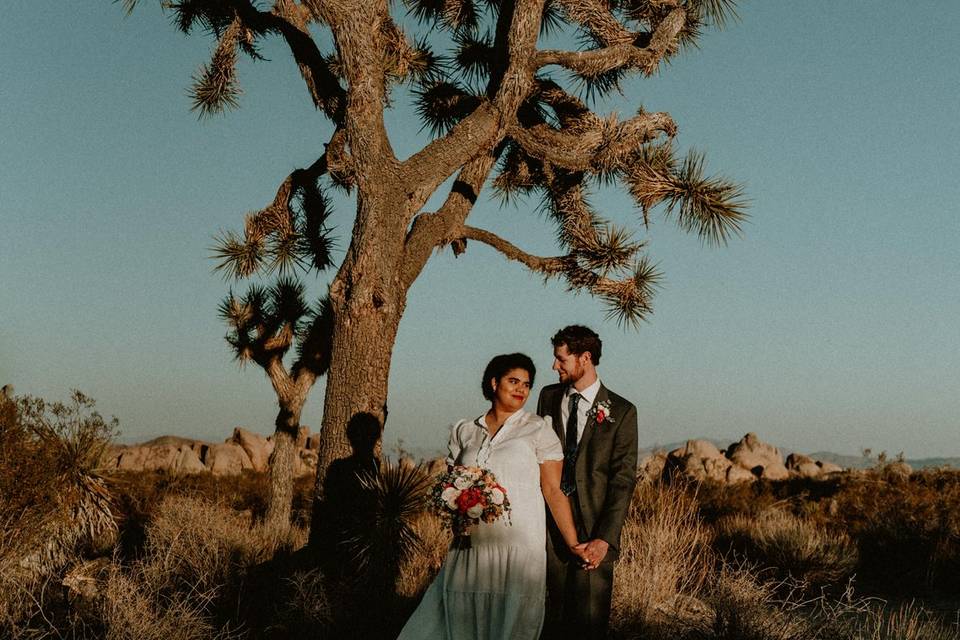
x: 572, y: 378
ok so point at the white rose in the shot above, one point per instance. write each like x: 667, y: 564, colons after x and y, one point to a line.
x: 461, y: 482
x: 496, y: 496
x: 475, y: 511
x: 450, y: 496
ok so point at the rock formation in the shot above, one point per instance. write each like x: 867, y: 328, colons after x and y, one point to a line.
x: 747, y: 460
x: 243, y: 450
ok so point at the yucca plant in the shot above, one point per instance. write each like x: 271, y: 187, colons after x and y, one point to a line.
x: 55, y: 502
x: 384, y: 533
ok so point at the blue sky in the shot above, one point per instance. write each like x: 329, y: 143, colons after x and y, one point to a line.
x: 831, y: 324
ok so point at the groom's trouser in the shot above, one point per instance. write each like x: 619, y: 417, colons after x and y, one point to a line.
x: 578, y: 601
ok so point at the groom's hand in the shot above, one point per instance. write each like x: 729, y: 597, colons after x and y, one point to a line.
x: 580, y: 551
x: 596, y: 551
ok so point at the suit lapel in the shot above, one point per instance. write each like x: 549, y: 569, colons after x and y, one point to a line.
x: 557, y: 414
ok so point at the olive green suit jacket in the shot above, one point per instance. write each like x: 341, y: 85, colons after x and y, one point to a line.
x: 606, y: 464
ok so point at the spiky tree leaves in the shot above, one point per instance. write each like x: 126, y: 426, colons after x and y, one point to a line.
x: 442, y: 105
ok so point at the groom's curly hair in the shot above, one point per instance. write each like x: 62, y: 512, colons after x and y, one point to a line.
x: 579, y: 339
x: 503, y: 364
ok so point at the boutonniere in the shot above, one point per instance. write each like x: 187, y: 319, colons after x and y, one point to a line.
x: 600, y: 412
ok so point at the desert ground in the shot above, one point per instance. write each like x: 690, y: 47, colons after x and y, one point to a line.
x: 167, y: 540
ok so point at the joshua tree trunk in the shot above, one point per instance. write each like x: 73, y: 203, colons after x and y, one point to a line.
x: 367, y: 299
x: 356, y: 383
x: 283, y: 461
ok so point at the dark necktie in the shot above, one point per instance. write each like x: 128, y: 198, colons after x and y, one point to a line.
x: 568, y: 482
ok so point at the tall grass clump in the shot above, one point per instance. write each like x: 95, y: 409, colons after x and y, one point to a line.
x: 199, y: 564
x: 665, y: 561
x: 789, y: 546
x: 908, y: 622
x: 418, y: 570
x: 745, y: 607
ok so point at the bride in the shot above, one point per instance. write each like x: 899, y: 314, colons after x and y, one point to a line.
x: 495, y: 589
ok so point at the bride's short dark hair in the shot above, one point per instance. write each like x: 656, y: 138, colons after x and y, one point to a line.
x: 500, y: 365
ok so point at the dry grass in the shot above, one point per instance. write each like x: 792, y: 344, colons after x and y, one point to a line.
x: 132, y: 611
x: 788, y: 545
x: 745, y: 607
x: 665, y: 559
x: 909, y: 622
x: 196, y: 560
x: 418, y: 571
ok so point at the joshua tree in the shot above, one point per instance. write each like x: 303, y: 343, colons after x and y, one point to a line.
x: 503, y: 112
x: 264, y: 325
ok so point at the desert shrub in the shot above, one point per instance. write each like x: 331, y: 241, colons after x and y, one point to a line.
x: 745, y: 607
x: 665, y: 560
x: 55, y: 505
x: 381, y: 535
x: 131, y: 611
x: 853, y: 618
x: 196, y: 545
x: 372, y: 535
x: 801, y: 496
x: 789, y: 546
x: 139, y: 495
x: 908, y: 532
x: 198, y: 563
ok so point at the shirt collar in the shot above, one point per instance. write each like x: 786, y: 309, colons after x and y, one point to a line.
x: 516, y: 415
x: 589, y: 394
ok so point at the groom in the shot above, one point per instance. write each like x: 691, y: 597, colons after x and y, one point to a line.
x: 598, y: 430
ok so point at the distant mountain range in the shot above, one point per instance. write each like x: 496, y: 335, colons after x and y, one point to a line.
x: 859, y: 462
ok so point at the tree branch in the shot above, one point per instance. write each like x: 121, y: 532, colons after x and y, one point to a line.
x: 596, y: 16
x: 592, y: 144
x: 277, y: 217
x: 432, y: 230
x: 592, y: 63
x: 547, y: 266
x: 627, y: 298
x: 431, y: 166
x: 483, y: 129
x: 292, y: 21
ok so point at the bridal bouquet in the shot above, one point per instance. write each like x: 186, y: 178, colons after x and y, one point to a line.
x: 465, y: 496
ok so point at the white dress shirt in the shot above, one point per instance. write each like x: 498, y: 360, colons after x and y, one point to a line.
x: 583, y: 406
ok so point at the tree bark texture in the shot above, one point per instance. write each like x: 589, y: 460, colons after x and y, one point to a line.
x: 282, y: 464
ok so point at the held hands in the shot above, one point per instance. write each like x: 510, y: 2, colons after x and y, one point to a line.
x: 591, y: 553
x: 580, y: 551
